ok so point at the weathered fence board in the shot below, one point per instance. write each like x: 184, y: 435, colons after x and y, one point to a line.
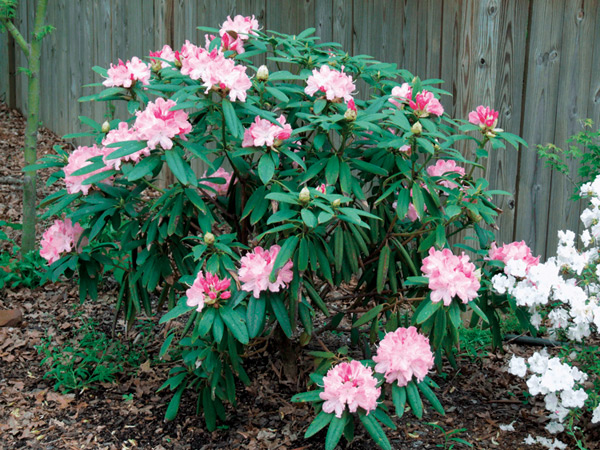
x: 532, y: 60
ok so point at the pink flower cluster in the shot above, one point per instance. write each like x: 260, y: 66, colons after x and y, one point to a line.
x: 221, y: 189
x: 449, y: 276
x: 125, y: 74
x: 444, y: 166
x: 401, y: 94
x: 352, y: 384
x: 207, y: 289
x: 257, y: 267
x: 424, y: 103
x: 166, y: 54
x: 402, y: 354
x: 234, y: 32
x: 484, y: 117
x: 336, y: 85
x: 216, y: 71
x: 78, y: 160
x: 262, y: 132
x: 157, y: 124
x: 122, y: 134
x: 61, y: 237
x: 515, y: 251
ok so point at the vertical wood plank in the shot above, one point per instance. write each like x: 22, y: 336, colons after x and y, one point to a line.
x: 324, y: 20
x: 576, y: 59
x: 539, y: 116
x: 60, y: 119
x: 102, y: 52
x: 451, y: 38
x: 21, y: 79
x: 510, y: 67
x: 4, y: 83
x: 343, y: 23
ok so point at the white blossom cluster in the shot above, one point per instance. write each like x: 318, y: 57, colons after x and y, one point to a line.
x: 545, y: 442
x: 557, y: 382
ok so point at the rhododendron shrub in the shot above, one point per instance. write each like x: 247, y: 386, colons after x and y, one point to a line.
x: 305, y: 185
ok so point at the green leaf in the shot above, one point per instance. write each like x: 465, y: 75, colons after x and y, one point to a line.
x: 414, y: 399
x: 277, y: 94
x: 368, y: 316
x: 231, y: 119
x: 319, y: 422
x: 334, y: 432
x: 285, y: 254
x: 319, y: 106
x: 374, y: 430
x: 403, y: 203
x: 399, y: 398
x: 143, y: 168
x: 209, y: 410
x: 266, y: 168
x: 430, y: 395
x: 477, y: 310
x: 382, y: 267
x: 282, y: 316
x: 165, y: 347
x: 308, y: 218
x: 235, y: 323
x: 177, y: 311
x: 428, y: 310
x: 177, y: 165
x: 339, y: 248
x: 312, y: 396
x: 332, y: 170
x: 255, y: 316
x: 174, y: 404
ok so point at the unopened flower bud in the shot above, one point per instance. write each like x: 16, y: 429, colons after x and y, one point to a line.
x: 263, y: 73
x: 350, y: 115
x: 209, y: 238
x: 336, y: 203
x: 417, y: 128
x: 304, y: 196
x: 156, y: 66
x: 105, y: 127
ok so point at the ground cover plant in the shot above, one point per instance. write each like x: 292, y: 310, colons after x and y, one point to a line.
x: 308, y: 188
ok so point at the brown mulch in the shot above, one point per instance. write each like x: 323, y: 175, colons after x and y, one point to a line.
x: 478, y: 397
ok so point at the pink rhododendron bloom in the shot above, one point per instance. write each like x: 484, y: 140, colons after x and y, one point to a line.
x: 484, y: 117
x: 450, y: 275
x: 220, y: 188
x: 207, y: 289
x: 216, y: 71
x: 78, y: 160
x: 240, y: 26
x: 402, y: 354
x: 322, y: 188
x: 122, y: 134
x: 425, y: 103
x: 157, y: 124
x: 262, y: 132
x: 125, y: 74
x: 336, y: 85
x: 352, y: 384
x: 167, y: 54
x: 515, y: 251
x: 442, y: 167
x: 401, y: 94
x: 61, y: 237
x: 406, y: 149
x: 351, y: 105
x: 257, y: 267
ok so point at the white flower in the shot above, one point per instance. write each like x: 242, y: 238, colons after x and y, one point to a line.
x: 538, y: 362
x: 596, y: 415
x: 573, y: 398
x: 508, y: 427
x: 501, y: 283
x: 555, y: 427
x: 517, y: 366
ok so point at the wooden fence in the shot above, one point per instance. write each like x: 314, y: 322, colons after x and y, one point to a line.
x: 535, y: 61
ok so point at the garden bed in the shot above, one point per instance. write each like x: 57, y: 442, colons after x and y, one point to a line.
x: 479, y: 397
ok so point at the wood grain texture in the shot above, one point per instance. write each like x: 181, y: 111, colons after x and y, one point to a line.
x: 539, y: 121
x: 4, y: 83
x: 510, y: 67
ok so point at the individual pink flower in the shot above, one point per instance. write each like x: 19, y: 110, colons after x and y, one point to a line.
x: 402, y: 354
x: 157, y: 124
x: 322, y: 188
x: 336, y: 85
x: 401, y: 94
x: 221, y: 189
x: 262, y: 132
x: 217, y: 72
x: 515, y: 251
x: 207, y: 289
x: 444, y: 166
x: 239, y: 26
x: 125, y: 74
x: 406, y: 149
x: 425, y: 103
x: 78, y: 160
x: 484, y: 117
x: 450, y: 275
x: 61, y: 237
x: 166, y: 55
x: 352, y: 384
x: 257, y: 267
x: 122, y: 134
x: 351, y: 105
